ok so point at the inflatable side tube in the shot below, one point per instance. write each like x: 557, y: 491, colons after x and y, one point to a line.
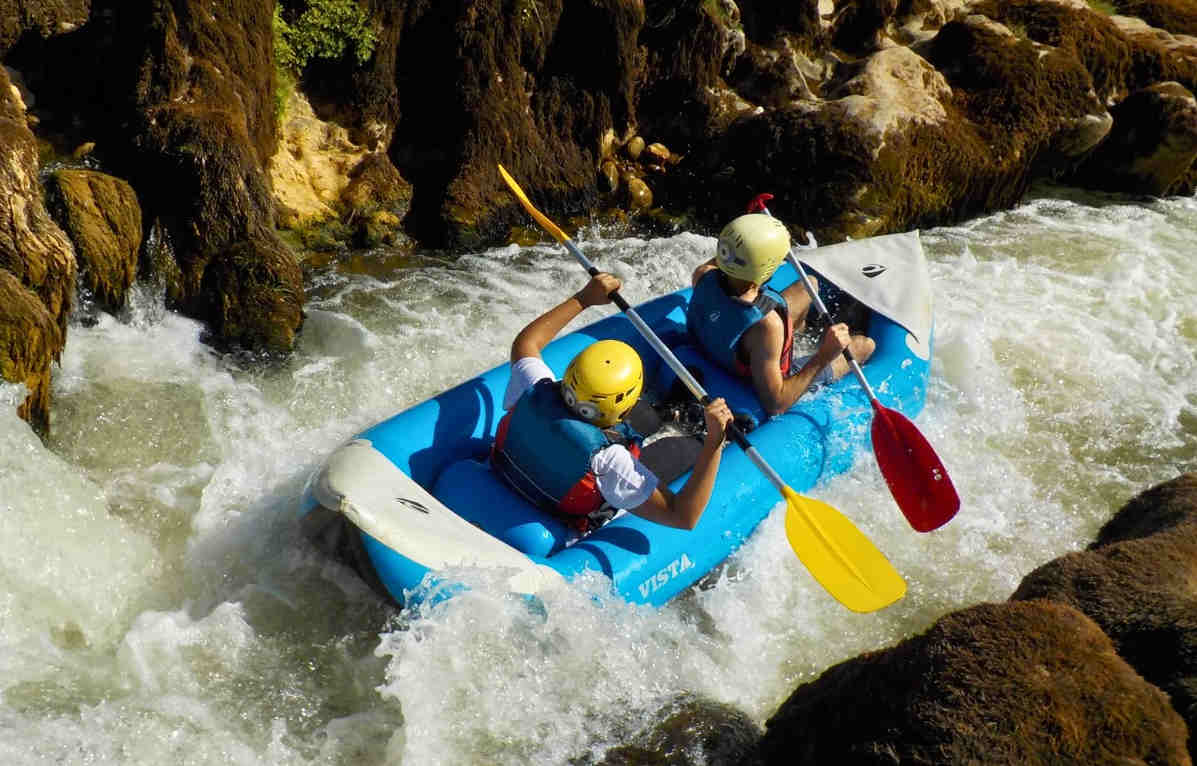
x: 415, y: 533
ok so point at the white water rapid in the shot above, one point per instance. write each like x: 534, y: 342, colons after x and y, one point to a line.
x: 158, y: 606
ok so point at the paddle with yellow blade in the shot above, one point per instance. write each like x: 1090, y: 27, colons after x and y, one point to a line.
x: 917, y: 479
x: 837, y: 554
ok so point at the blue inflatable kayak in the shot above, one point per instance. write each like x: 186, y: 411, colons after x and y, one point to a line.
x: 414, y: 495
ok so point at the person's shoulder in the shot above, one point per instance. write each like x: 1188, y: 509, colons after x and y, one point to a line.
x: 764, y: 339
x: 532, y: 369
x: 526, y: 372
x: 703, y: 270
x: 770, y: 325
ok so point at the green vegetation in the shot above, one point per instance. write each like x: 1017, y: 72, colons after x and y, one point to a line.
x: 327, y: 29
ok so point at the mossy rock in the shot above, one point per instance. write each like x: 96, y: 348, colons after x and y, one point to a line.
x: 101, y: 215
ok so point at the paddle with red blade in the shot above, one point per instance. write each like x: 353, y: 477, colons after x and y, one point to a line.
x: 836, y: 553
x: 916, y: 477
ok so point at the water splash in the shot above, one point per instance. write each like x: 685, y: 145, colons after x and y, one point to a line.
x: 159, y: 604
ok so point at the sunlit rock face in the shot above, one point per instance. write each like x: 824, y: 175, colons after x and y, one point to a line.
x: 325, y: 172
x: 1176, y: 16
x: 205, y: 128
x: 179, y: 101
x: 1032, y: 682
x: 44, y: 18
x: 1136, y: 583
x: 37, y: 265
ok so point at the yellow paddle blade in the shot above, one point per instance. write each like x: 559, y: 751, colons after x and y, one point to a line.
x: 540, y: 217
x: 839, y: 556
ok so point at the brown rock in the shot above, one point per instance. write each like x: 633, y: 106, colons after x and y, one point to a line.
x: 634, y: 147
x: 1175, y: 16
x: 37, y: 264
x: 1152, y: 145
x: 1023, y: 682
x: 101, y: 216
x: 799, y: 21
x: 526, y: 91
x: 1159, y: 509
x: 255, y: 291
x: 203, y: 132
x: 859, y: 25
x: 920, y: 20
x: 658, y: 151
x: 776, y: 76
x: 640, y: 197
x: 375, y: 183
x: 46, y: 18
x: 609, y: 175
x: 30, y: 340
x: 690, y: 730
x: 1140, y: 589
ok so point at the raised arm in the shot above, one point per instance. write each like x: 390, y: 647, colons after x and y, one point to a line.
x: 537, y: 334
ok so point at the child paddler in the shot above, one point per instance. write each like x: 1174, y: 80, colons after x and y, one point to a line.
x: 749, y: 329
x: 563, y: 444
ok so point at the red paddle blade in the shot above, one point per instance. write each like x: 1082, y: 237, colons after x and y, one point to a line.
x: 758, y: 203
x: 916, y: 477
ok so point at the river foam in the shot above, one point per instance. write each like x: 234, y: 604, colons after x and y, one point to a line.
x: 159, y: 604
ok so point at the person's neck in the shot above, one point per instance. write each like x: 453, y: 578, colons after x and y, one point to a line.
x: 741, y: 288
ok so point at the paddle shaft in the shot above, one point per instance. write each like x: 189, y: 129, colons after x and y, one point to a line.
x: 835, y: 552
x: 678, y: 368
x: 916, y: 477
x: 822, y: 307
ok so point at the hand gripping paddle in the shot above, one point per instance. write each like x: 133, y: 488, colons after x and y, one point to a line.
x: 917, y: 479
x: 836, y: 553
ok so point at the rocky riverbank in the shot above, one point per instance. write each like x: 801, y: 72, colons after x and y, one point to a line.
x: 1091, y: 660
x: 227, y: 141
x: 208, y: 147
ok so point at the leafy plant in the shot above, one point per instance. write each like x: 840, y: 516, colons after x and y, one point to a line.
x: 326, y: 29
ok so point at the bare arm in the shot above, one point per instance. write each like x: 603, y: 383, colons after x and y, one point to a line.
x: 764, y: 342
x: 683, y: 510
x: 533, y: 338
x: 798, y: 300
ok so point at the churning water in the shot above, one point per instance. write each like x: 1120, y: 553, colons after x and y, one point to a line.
x: 158, y: 606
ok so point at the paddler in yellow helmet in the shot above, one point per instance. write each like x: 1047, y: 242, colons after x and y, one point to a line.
x: 749, y: 328
x: 563, y: 444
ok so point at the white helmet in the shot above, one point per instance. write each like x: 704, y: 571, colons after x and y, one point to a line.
x: 751, y: 247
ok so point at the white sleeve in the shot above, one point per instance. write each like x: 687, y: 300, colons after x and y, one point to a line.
x: 525, y: 373
x: 622, y: 479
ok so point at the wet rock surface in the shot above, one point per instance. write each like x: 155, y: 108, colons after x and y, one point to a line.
x: 1136, y: 583
x: 1031, y: 682
x: 37, y: 265
x: 861, y: 118
x: 101, y: 216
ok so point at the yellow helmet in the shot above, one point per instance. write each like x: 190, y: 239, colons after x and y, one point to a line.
x: 603, y: 382
x: 751, y: 247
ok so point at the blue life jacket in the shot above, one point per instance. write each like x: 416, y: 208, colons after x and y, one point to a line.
x: 543, y: 450
x: 718, y: 321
